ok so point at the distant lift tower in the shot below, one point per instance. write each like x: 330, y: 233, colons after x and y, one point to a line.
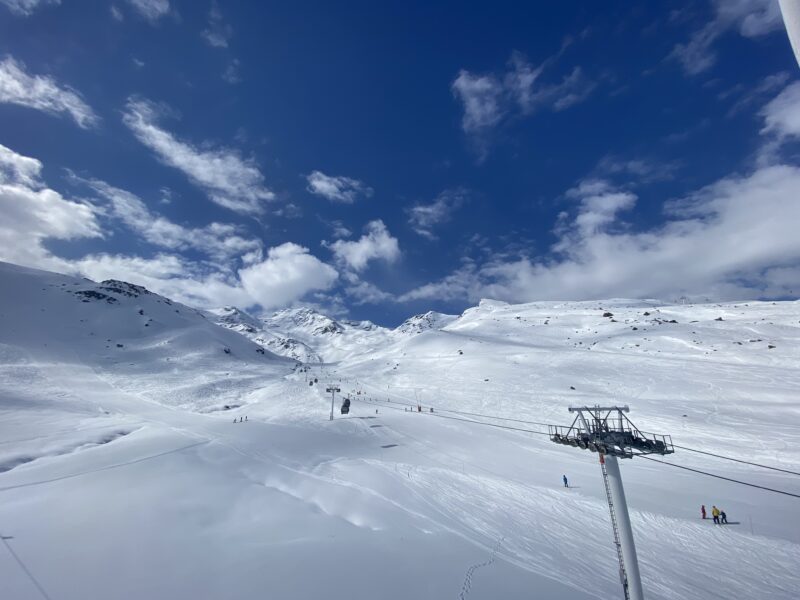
x: 609, y: 433
x: 332, y: 389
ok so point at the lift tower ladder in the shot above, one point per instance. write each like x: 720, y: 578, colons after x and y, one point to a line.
x: 623, y: 576
x: 609, y: 433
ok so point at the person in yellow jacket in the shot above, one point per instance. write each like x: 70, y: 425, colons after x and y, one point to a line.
x: 715, y: 514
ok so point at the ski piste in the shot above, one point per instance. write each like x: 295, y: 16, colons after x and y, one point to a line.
x: 117, y: 437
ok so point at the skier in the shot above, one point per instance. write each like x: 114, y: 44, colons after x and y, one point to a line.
x: 566, y: 482
x: 715, y: 512
x: 245, y: 417
x: 723, y: 518
x: 703, y: 510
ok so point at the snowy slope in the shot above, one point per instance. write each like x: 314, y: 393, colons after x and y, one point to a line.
x: 134, y: 338
x: 121, y: 477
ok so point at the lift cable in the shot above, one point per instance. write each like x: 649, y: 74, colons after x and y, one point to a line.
x: 746, y: 462
x: 785, y: 493
x: 646, y: 457
x: 430, y: 414
x: 471, y: 414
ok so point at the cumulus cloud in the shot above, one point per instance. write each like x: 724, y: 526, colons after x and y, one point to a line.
x: 288, y: 273
x: 376, y: 244
x: 424, y: 218
x: 152, y: 10
x: 738, y: 228
x: 25, y: 8
x: 169, y: 275
x: 337, y: 189
x: 237, y: 274
x: 489, y: 99
x: 751, y: 18
x: 735, y: 238
x: 42, y: 93
x: 228, y: 179
x: 33, y: 213
x: 220, y: 241
x: 218, y: 31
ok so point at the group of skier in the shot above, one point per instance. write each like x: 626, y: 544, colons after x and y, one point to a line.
x: 719, y: 516
x: 239, y: 420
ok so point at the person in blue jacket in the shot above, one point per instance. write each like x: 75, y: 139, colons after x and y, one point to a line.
x: 566, y: 483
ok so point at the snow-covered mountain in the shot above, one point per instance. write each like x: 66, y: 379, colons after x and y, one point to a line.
x: 120, y: 431
x: 332, y: 340
x: 256, y: 330
x: 425, y: 322
x: 309, y: 336
x: 136, y: 338
x: 305, y: 334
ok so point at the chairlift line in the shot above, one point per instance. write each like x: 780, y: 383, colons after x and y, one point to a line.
x: 753, y: 485
x: 599, y: 448
x: 746, y: 462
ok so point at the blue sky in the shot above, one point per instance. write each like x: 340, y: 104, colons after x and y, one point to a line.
x: 379, y: 160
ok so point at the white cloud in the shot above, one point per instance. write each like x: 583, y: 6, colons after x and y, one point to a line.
x: 598, y: 211
x: 229, y: 180
x: 218, y: 33
x: 42, y: 93
x: 739, y: 228
x: 574, y: 88
x: 643, y: 169
x: 232, y: 73
x: 338, y: 230
x: 25, y: 8
x: 152, y: 10
x: 376, y: 244
x: 490, y: 99
x: 752, y: 18
x: 33, y: 213
x: 782, y: 114
x: 363, y: 292
x: 169, y: 275
x: 755, y: 95
x: 482, y: 97
x: 423, y: 218
x: 288, y: 273
x: 736, y: 238
x: 337, y: 189
x: 220, y: 241
x: 116, y: 13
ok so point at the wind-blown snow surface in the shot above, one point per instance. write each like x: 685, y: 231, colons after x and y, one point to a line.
x: 123, y: 476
